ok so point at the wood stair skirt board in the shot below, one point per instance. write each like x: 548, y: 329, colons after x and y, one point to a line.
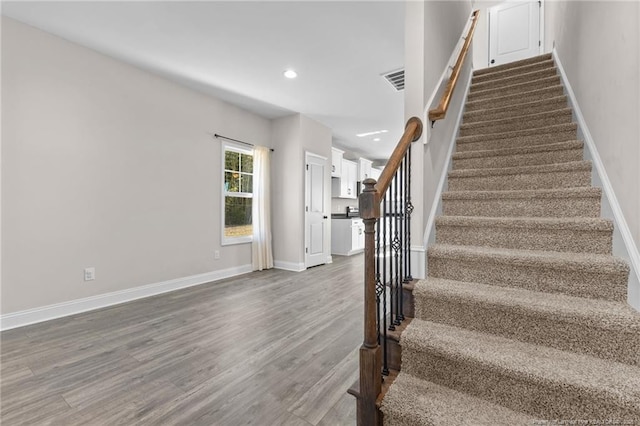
x: 523, y: 315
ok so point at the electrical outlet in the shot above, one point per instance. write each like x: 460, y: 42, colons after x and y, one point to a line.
x: 216, y: 254
x: 90, y: 274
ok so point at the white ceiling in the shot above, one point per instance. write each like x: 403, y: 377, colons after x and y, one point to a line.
x: 238, y: 50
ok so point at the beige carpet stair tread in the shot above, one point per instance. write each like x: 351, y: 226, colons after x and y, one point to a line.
x: 524, y: 118
x: 537, y: 132
x: 498, y: 92
x: 553, y: 134
x: 514, y: 70
x: 556, y: 202
x: 576, y: 235
x: 535, y: 94
x: 511, y: 65
x: 596, y: 276
x: 571, y: 174
x: 506, y: 171
x: 517, y: 109
x: 581, y: 262
x: 603, y: 314
x: 588, y: 192
x: 532, y: 121
x: 519, y: 155
x: 535, y: 149
x: 604, y: 329
x: 514, y: 78
x: 559, y: 223
x: 614, y: 385
x: 412, y: 401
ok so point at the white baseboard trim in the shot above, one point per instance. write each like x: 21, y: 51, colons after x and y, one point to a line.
x: 59, y: 310
x: 436, y: 207
x: 418, y: 262
x: 623, y: 244
x: 289, y: 266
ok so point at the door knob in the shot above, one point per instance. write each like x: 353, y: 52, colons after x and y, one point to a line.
x: 324, y: 217
x: 493, y: 61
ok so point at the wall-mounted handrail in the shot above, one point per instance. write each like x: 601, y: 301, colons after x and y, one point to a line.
x: 393, y: 187
x: 440, y: 111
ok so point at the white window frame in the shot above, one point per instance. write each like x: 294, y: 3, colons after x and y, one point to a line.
x: 226, y: 241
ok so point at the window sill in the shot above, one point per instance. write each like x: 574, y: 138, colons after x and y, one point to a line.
x: 234, y: 241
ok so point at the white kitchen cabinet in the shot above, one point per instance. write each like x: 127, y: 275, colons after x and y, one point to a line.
x: 336, y: 162
x: 364, y: 169
x: 347, y: 236
x: 345, y: 186
x: 375, y: 173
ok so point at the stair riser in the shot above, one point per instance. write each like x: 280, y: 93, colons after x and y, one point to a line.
x: 514, y: 111
x: 514, y: 99
x: 512, y: 90
x: 611, y: 286
x: 515, y: 71
x: 536, y: 397
x: 543, y: 207
x: 517, y: 64
x: 513, y: 125
x: 553, y: 180
x: 529, y: 159
x: 517, y: 78
x: 562, y: 240
x: 517, y: 142
x: 532, y: 327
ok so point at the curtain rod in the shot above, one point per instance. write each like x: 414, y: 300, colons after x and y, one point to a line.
x: 235, y: 140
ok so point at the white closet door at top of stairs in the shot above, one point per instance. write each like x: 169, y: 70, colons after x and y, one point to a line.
x: 514, y: 31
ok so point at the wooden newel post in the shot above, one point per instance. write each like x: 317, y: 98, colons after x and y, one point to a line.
x: 370, y: 355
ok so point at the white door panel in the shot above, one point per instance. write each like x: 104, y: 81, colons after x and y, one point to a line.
x: 316, y: 211
x: 514, y: 31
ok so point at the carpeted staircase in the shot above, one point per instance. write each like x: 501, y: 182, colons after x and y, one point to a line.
x: 523, y: 316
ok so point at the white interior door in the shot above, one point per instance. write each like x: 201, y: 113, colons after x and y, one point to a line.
x: 316, y: 210
x: 514, y: 31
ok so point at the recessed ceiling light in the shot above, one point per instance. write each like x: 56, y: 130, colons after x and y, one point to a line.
x: 376, y: 139
x: 377, y: 132
x: 290, y: 74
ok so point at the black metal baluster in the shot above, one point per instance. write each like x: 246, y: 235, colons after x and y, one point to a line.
x: 396, y: 246
x: 382, y: 243
x: 392, y: 286
x: 378, y: 279
x: 409, y: 210
x: 401, y: 239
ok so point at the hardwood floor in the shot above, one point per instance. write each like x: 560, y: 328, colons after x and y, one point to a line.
x: 266, y: 348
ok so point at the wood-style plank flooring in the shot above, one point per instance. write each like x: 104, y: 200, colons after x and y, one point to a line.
x: 266, y: 348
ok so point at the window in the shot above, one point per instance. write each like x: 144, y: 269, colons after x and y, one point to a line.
x: 238, y: 194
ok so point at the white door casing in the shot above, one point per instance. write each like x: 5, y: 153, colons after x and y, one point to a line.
x: 514, y: 31
x: 316, y: 210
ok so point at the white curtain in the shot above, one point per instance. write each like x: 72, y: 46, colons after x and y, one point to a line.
x: 262, y: 253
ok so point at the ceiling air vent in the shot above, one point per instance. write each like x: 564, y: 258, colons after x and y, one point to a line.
x: 396, y: 79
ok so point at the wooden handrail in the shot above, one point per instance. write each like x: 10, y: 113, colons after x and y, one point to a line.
x: 440, y: 111
x: 370, y: 205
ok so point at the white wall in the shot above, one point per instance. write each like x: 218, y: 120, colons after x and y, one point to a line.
x: 292, y: 136
x: 432, y: 31
x: 598, y: 43
x: 288, y: 187
x: 108, y: 166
